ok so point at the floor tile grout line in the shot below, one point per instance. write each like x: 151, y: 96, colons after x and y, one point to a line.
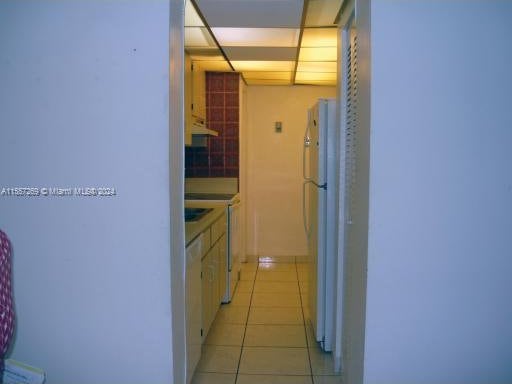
x: 246, y: 322
x: 305, y: 325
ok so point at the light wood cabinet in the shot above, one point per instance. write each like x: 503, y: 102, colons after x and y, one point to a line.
x: 195, y: 96
x: 213, y: 274
x: 198, y: 91
x: 188, y: 100
x: 193, y: 304
x: 223, y: 267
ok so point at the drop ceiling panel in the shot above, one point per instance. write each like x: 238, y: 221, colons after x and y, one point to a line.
x: 316, y: 82
x: 316, y: 66
x: 257, y: 37
x: 319, y: 37
x: 261, y: 53
x: 318, y: 54
x: 322, y: 13
x: 257, y: 75
x: 315, y: 76
x: 252, y: 13
x: 267, y: 82
x: 260, y: 38
x: 273, y: 66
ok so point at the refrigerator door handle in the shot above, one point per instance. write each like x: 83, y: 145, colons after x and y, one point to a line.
x: 304, y: 214
x: 307, y: 143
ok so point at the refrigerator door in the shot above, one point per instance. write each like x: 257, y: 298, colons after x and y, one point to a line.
x: 321, y: 218
x: 317, y: 210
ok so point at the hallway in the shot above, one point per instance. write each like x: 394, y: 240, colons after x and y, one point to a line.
x: 261, y: 336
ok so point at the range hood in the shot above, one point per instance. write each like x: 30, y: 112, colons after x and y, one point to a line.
x: 199, y: 128
x: 202, y: 130
x: 200, y: 133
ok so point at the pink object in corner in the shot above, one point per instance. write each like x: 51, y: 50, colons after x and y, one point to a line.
x: 6, y: 302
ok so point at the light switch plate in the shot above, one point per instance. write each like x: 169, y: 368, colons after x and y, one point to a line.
x: 278, y: 127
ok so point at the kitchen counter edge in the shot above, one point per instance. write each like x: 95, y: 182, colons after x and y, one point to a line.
x: 194, y: 228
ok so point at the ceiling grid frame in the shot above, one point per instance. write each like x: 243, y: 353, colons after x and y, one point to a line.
x: 266, y: 59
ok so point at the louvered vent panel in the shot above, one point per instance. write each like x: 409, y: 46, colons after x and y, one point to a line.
x: 351, y: 116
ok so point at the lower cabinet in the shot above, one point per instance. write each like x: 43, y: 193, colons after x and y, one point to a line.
x: 223, y: 267
x: 193, y: 305
x: 213, y: 282
x: 205, y: 286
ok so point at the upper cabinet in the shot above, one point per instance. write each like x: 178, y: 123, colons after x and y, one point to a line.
x: 201, y: 54
x: 195, y: 101
x: 188, y: 100
x: 198, y: 91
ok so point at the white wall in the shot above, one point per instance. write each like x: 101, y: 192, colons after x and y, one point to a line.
x: 274, y: 167
x: 438, y: 304
x: 84, y: 102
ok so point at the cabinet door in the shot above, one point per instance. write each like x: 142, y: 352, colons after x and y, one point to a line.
x: 215, y: 263
x: 198, y: 91
x: 219, y: 228
x: 193, y: 307
x: 223, y: 267
x: 206, y: 282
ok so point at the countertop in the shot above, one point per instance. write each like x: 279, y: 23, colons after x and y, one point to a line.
x: 194, y: 228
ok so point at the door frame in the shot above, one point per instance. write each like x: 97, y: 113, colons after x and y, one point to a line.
x: 344, y: 25
x: 176, y: 187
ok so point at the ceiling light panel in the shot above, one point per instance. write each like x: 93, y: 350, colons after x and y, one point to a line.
x: 317, y: 66
x: 267, y: 82
x: 257, y: 37
x: 322, y: 13
x: 252, y: 13
x: 318, y: 54
x: 316, y: 82
x: 319, y: 37
x: 259, y: 66
x: 315, y: 76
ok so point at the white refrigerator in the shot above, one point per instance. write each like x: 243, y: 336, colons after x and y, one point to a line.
x: 320, y: 161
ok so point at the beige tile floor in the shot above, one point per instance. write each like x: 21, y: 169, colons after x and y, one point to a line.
x: 263, y: 336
